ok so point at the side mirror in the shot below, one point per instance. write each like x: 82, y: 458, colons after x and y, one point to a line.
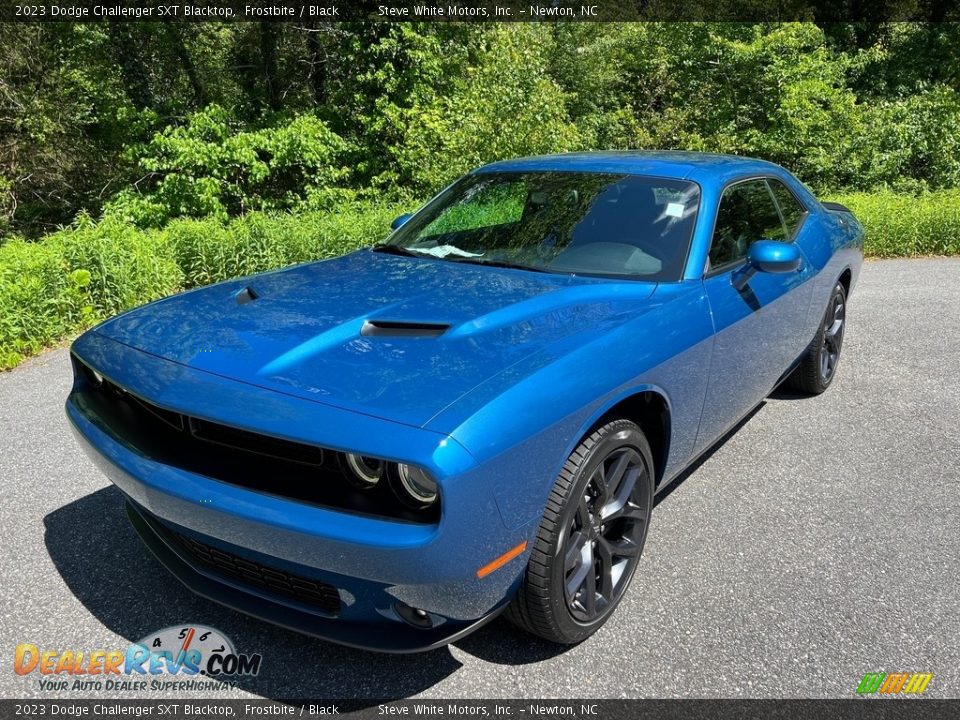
x: 773, y: 257
x: 768, y: 256
x: 400, y: 220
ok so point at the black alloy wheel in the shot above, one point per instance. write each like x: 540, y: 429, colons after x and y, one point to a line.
x: 604, y: 536
x: 591, y: 536
x: 818, y: 366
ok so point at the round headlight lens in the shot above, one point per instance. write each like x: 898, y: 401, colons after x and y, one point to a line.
x: 365, y: 471
x: 417, y: 484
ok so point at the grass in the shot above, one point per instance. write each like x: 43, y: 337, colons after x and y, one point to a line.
x: 905, y: 225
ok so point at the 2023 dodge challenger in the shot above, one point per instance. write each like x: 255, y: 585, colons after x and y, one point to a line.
x: 388, y: 448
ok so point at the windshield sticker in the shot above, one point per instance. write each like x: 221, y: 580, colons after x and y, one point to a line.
x: 675, y: 209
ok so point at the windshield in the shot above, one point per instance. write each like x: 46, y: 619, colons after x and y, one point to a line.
x: 565, y: 222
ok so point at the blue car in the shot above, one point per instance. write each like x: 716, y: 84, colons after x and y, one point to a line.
x: 389, y: 448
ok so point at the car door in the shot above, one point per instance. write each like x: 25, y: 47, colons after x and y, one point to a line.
x: 756, y: 325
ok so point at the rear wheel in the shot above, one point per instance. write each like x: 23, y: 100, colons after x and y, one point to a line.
x: 591, y: 536
x: 819, y: 365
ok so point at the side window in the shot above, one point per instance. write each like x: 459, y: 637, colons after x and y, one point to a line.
x: 792, y: 210
x: 747, y: 213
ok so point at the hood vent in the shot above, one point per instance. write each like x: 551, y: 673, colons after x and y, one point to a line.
x: 400, y: 328
x: 248, y: 294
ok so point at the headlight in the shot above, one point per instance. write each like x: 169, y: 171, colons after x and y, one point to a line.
x: 364, y: 472
x: 417, y: 487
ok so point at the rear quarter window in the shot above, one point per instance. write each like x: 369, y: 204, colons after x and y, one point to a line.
x: 791, y: 209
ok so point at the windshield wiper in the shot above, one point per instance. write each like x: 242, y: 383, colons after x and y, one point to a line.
x: 395, y: 250
x: 501, y: 264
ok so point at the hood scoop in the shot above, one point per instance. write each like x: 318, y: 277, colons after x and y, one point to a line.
x: 246, y: 295
x: 401, y: 328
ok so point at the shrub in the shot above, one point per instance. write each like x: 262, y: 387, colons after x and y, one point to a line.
x: 916, y: 142
x: 209, y: 251
x: 38, y: 302
x: 505, y: 106
x: 208, y: 168
x: 124, y: 266
x: 904, y: 225
x: 75, y: 277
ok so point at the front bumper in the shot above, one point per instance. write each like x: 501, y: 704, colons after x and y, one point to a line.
x: 375, y: 564
x: 364, y: 635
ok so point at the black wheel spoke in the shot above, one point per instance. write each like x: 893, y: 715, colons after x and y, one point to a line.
x: 622, y: 548
x: 584, y: 570
x: 572, y: 558
x: 633, y: 512
x: 600, y: 481
x: 582, y: 517
x: 605, y: 560
x: 619, y: 501
x: 590, y: 590
x: 616, y: 475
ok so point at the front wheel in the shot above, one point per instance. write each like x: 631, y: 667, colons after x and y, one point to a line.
x: 591, y: 536
x: 819, y: 364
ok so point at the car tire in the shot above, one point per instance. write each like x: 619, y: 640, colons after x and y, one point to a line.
x: 591, y: 536
x: 819, y: 364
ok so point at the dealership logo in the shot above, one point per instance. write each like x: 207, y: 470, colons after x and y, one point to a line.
x: 182, y: 650
x: 894, y: 683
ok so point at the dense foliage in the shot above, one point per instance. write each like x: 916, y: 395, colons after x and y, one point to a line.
x: 153, y: 121
x: 206, y: 169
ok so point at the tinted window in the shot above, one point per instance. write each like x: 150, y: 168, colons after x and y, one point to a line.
x: 565, y: 222
x: 792, y: 210
x: 746, y: 214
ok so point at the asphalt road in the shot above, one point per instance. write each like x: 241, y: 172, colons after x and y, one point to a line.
x: 819, y: 542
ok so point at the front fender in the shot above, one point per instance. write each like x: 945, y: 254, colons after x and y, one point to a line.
x: 540, y: 409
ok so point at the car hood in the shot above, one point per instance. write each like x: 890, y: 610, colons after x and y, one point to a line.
x: 393, y: 337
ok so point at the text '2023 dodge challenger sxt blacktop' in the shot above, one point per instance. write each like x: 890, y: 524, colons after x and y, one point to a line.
x: 388, y: 448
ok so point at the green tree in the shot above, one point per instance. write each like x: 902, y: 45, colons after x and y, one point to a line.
x: 505, y: 105
x: 208, y: 167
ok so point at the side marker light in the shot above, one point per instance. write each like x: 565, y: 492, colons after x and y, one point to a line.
x: 502, y: 560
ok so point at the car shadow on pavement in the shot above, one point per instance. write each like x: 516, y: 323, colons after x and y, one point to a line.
x: 108, y: 569
x: 502, y: 643
x: 787, y: 393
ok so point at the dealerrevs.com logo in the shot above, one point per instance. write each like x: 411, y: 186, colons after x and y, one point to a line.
x: 170, y: 659
x: 900, y: 683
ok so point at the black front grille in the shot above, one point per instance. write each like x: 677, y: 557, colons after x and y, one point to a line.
x: 254, y: 442
x: 252, y: 460
x: 224, y: 434
x: 320, y: 595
